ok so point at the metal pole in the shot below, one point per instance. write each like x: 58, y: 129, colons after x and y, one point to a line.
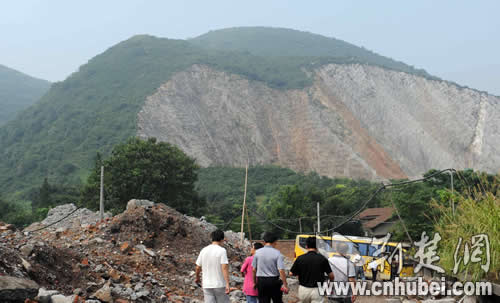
x: 248, y: 224
x: 244, y: 204
x: 300, y: 225
x: 452, y: 201
x: 101, y: 199
x: 400, y: 220
x: 319, y: 226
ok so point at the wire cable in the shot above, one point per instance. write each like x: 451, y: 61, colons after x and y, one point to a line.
x: 53, y: 223
x: 383, y: 187
x: 363, y: 207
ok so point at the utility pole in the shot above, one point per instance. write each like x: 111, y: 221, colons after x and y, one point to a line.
x: 452, y: 201
x: 248, y: 225
x: 244, y: 204
x: 319, y: 226
x: 300, y: 224
x: 400, y: 220
x: 101, y: 199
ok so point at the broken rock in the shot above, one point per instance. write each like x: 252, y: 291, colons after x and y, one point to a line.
x: 17, y: 290
x: 104, y: 294
x: 44, y: 296
x: 149, y: 252
x: 114, y: 275
x: 61, y: 299
x: 135, y: 203
x: 26, y: 250
x: 26, y: 265
x: 125, y: 247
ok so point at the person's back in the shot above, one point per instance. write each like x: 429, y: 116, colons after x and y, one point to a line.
x: 311, y: 268
x: 267, y: 259
x: 211, y: 258
x: 343, y: 271
x: 269, y: 267
x: 213, y: 264
x: 249, y: 288
x: 359, y: 262
x: 342, y: 268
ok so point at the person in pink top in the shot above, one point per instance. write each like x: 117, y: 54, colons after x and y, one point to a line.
x: 249, y: 288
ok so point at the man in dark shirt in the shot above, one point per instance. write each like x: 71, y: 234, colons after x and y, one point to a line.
x: 311, y: 268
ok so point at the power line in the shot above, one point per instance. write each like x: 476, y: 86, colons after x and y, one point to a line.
x: 63, y: 218
x: 365, y: 204
x: 383, y: 187
x: 349, y: 218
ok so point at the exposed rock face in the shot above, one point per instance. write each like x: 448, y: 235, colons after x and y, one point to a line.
x: 422, y: 124
x: 355, y: 121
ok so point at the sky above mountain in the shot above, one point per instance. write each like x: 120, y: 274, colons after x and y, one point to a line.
x: 455, y: 40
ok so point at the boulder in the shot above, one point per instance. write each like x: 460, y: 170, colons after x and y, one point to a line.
x: 17, y: 290
x: 26, y: 250
x: 6, y: 227
x: 44, y: 296
x: 104, y: 294
x: 470, y: 299
x: 27, y: 266
x: 62, y: 299
x: 135, y: 203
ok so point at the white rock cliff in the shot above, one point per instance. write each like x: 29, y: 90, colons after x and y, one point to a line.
x: 355, y: 120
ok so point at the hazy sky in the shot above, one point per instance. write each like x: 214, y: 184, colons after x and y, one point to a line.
x: 455, y: 40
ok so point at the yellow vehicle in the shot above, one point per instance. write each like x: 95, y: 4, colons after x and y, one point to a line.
x: 363, y: 246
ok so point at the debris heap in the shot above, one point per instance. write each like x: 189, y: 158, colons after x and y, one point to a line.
x: 145, y: 254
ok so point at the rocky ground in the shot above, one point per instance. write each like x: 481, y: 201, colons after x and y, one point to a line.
x: 145, y: 254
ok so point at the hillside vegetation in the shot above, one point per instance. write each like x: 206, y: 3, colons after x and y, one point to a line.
x: 17, y: 92
x: 283, y: 42
x: 279, y: 196
x: 96, y: 107
x: 483, y: 232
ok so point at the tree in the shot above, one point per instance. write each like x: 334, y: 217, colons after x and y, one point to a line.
x: 288, y: 205
x: 43, y: 197
x: 15, y: 213
x: 51, y: 195
x: 144, y: 169
x: 5, y: 208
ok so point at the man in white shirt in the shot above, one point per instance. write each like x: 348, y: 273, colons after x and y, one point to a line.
x: 343, y: 271
x: 359, y: 262
x: 213, y: 263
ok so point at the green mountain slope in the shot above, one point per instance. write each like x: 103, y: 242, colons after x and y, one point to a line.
x: 18, y: 91
x: 96, y: 107
x: 283, y: 42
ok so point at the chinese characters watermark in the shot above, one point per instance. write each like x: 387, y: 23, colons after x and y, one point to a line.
x: 480, y: 246
x: 427, y: 253
x: 475, y: 251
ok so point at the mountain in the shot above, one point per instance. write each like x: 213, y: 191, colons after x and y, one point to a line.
x: 325, y: 109
x: 355, y: 120
x: 284, y: 42
x: 18, y: 91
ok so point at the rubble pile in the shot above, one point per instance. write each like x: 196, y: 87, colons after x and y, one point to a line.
x: 145, y: 254
x: 56, y: 217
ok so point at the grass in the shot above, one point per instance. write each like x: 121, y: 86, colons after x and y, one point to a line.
x: 476, y: 213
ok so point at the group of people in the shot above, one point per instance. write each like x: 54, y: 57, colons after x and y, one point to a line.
x: 265, y: 275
